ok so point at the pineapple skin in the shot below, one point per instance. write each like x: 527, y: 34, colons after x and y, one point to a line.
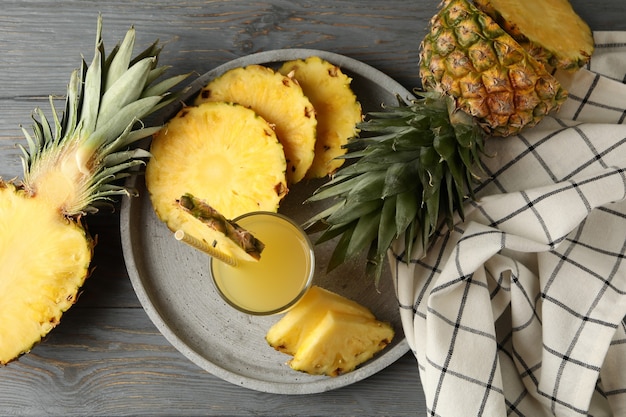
x: 336, y: 107
x: 279, y: 100
x: 467, y: 55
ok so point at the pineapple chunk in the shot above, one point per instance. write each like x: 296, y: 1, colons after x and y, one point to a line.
x: 34, y: 292
x: 287, y: 334
x: 551, y: 30
x: 224, y: 154
x: 339, y: 343
x: 280, y: 101
x: 336, y: 108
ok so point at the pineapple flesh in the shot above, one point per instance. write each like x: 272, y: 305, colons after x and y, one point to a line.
x: 467, y: 55
x: 550, y: 30
x: 336, y: 108
x: 328, y: 334
x: 279, y: 100
x: 222, y: 153
x: 340, y: 343
x: 287, y: 334
x: 44, y: 259
x: 71, y: 168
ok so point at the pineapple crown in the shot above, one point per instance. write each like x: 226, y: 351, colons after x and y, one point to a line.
x: 90, y: 146
x: 413, y: 167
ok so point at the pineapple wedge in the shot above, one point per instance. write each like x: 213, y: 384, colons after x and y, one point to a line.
x: 280, y: 101
x: 340, y: 343
x: 287, y: 334
x: 336, y: 108
x: 226, y: 233
x: 222, y: 153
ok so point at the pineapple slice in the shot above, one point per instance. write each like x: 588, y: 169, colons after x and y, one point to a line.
x: 280, y: 101
x: 336, y: 108
x: 551, y: 30
x: 222, y: 153
x: 71, y: 166
x: 340, y: 343
x: 287, y: 334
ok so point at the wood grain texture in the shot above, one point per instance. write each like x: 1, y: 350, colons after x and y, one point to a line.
x: 106, y: 357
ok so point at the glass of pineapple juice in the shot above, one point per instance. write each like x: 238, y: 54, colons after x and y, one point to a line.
x: 282, y: 275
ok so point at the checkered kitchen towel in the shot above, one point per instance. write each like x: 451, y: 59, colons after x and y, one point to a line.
x: 520, y: 310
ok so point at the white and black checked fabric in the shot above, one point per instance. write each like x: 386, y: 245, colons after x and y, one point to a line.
x: 520, y: 309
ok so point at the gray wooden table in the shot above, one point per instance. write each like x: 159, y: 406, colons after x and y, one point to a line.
x: 106, y: 357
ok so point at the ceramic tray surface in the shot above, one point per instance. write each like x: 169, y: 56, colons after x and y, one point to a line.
x: 173, y: 284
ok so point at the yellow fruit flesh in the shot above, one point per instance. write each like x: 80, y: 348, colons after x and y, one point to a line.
x: 280, y: 101
x: 34, y: 292
x: 552, y: 26
x: 287, y: 334
x: 336, y: 108
x: 339, y: 343
x: 223, y: 154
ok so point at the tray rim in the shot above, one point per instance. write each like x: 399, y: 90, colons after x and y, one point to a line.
x: 129, y: 251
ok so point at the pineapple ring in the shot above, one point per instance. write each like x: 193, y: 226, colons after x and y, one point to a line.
x: 222, y: 153
x: 280, y: 101
x: 336, y: 108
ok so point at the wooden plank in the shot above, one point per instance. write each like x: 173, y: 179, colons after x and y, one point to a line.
x: 102, y: 361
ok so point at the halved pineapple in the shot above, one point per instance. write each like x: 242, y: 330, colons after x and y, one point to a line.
x: 71, y: 166
x: 551, y: 30
x: 222, y: 153
x: 336, y: 108
x: 339, y: 343
x: 280, y: 101
x: 34, y: 292
x: 287, y: 334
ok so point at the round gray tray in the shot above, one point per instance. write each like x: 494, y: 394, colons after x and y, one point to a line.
x: 172, y: 282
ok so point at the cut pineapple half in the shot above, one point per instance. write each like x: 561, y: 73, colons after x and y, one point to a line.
x: 336, y: 108
x: 35, y: 291
x: 222, y: 153
x: 552, y: 27
x: 72, y: 166
x: 340, y: 343
x: 287, y: 334
x: 280, y: 101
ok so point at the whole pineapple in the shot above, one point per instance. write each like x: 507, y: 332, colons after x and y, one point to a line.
x: 417, y: 162
x: 71, y: 167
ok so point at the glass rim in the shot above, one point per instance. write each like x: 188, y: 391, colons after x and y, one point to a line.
x: 307, y: 284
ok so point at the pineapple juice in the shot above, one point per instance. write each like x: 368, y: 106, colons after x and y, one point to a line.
x: 279, y: 278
